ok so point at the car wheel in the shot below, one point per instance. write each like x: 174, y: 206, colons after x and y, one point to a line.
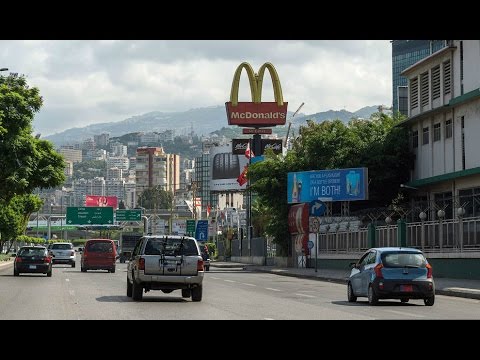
x: 429, y: 301
x: 372, y: 297
x: 129, y: 288
x: 405, y: 300
x: 186, y: 293
x: 112, y: 270
x: 207, y: 268
x: 137, y: 291
x: 83, y: 269
x: 197, y: 293
x: 73, y: 264
x: 15, y: 273
x: 350, y: 295
x: 49, y: 274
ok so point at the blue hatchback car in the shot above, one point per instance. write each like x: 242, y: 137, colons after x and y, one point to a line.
x: 392, y: 273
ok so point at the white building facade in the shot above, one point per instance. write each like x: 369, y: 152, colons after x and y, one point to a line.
x: 444, y: 125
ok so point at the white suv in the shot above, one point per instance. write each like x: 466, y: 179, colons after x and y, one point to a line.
x: 63, y: 253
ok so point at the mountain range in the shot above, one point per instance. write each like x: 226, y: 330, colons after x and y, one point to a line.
x: 201, y: 120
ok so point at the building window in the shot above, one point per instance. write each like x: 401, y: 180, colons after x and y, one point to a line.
x: 424, y: 89
x: 444, y: 201
x: 415, y: 139
x: 448, y: 129
x: 436, y: 132
x: 446, y: 77
x: 414, y: 93
x: 425, y: 136
x: 403, y: 100
x: 470, y: 199
x: 436, y: 82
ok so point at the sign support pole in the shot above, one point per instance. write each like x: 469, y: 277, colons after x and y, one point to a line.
x: 316, y: 250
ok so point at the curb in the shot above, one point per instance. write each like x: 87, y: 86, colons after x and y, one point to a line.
x: 5, y: 264
x: 466, y: 295
x: 225, y: 266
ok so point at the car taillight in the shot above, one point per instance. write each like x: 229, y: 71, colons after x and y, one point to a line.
x: 429, y: 271
x: 47, y: 259
x: 200, y: 265
x: 18, y: 259
x: 141, y: 264
x: 378, y: 270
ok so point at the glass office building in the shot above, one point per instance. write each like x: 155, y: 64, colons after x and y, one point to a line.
x: 404, y: 54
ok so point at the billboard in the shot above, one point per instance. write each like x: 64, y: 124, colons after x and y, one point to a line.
x: 274, y: 144
x: 225, y: 168
x: 256, y: 113
x: 239, y: 146
x: 101, y: 201
x: 328, y: 185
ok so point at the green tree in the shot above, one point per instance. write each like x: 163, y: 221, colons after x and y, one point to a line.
x: 27, y: 162
x: 377, y: 144
x: 155, y: 198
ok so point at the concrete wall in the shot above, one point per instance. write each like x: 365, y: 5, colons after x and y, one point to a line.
x: 256, y: 260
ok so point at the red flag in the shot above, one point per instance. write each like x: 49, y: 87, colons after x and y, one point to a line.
x: 209, y: 208
x: 248, y: 152
x: 242, y: 179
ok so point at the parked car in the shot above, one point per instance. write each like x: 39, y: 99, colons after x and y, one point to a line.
x: 63, y: 253
x: 32, y: 259
x: 392, y: 273
x: 99, y: 254
x: 166, y: 263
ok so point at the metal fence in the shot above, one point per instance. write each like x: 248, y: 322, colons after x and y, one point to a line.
x: 431, y: 236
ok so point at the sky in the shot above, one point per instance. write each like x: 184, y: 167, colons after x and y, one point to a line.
x: 84, y: 82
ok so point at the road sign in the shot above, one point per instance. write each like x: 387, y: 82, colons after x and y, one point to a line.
x: 310, y: 244
x: 317, y: 208
x: 128, y: 215
x: 202, y: 230
x: 190, y: 227
x: 89, y: 215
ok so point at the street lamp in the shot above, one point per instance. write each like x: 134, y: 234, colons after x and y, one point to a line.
x: 4, y: 69
x: 408, y: 187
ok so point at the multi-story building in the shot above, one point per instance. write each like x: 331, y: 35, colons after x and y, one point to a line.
x: 118, y: 162
x: 71, y: 154
x: 404, y: 54
x: 115, y: 187
x: 114, y: 173
x: 130, y: 199
x: 156, y: 168
x: 149, y: 138
x: 101, y: 141
x: 68, y: 170
x: 444, y: 122
x: 88, y: 145
x: 119, y: 150
x: 100, y: 154
x: 202, y: 182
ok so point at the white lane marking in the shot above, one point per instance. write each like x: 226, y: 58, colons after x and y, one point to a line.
x: 249, y: 284
x: 213, y: 277
x: 232, y: 281
x: 67, y: 280
x: 305, y: 295
x: 404, y: 313
x: 268, y: 319
x: 273, y: 289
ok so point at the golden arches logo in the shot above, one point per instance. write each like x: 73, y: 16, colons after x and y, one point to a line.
x: 256, y: 113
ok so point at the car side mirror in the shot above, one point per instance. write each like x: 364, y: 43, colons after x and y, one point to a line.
x: 13, y: 254
x: 353, y: 265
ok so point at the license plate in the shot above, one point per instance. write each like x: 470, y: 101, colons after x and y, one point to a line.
x: 406, y: 288
x: 32, y: 266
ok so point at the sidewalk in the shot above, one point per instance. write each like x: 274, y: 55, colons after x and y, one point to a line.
x: 443, y: 286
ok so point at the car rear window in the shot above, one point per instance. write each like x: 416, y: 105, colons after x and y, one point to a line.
x: 171, y: 247
x: 403, y: 259
x: 31, y: 252
x: 62, y: 246
x: 100, y: 246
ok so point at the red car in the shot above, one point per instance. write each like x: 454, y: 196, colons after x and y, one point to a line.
x: 99, y: 254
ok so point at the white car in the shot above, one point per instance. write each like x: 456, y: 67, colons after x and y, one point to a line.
x: 63, y: 253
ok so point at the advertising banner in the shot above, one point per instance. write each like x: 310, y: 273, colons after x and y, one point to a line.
x: 328, y: 185
x: 273, y: 144
x: 239, y: 146
x: 179, y: 227
x: 101, y: 201
x: 225, y: 168
x: 298, y: 219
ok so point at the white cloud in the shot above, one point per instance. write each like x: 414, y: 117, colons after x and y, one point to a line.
x: 85, y: 82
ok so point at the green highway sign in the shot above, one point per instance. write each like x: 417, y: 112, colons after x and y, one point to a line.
x: 128, y: 215
x: 90, y: 215
x: 191, y: 227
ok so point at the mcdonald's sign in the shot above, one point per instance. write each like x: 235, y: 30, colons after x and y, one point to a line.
x: 256, y: 113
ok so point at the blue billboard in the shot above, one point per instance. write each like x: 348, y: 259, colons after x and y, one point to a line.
x: 327, y: 185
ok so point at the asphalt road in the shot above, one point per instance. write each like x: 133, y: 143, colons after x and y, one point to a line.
x: 227, y: 294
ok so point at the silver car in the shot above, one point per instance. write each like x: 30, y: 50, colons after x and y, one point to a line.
x: 166, y: 263
x: 63, y: 253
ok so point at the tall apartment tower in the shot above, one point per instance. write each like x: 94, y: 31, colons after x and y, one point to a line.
x: 404, y: 54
